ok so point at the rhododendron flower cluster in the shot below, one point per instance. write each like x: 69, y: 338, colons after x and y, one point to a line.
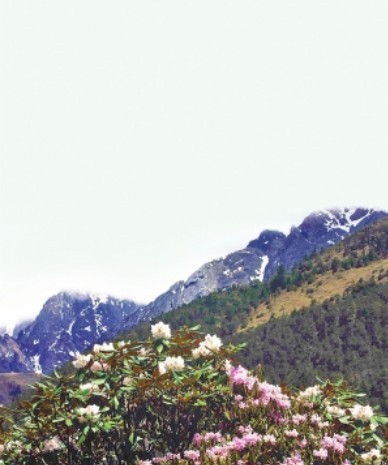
x: 209, y: 346
x: 312, y: 391
x: 91, y: 412
x: 53, y: 444
x: 82, y: 360
x: 171, y: 364
x: 161, y: 331
x: 373, y: 456
x: 99, y: 366
x: 335, y: 410
x: 361, y: 412
x: 103, y: 347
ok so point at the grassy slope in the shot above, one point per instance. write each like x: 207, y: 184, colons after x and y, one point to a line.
x: 325, y: 287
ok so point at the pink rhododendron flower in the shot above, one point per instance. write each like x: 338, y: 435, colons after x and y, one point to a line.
x: 240, y: 376
x: 295, y: 459
x: 213, y: 436
x: 298, y: 419
x: 269, y: 439
x: 321, y: 453
x: 292, y: 434
x: 191, y: 454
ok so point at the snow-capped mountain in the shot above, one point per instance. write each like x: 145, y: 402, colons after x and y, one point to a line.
x: 71, y: 322
x: 261, y: 258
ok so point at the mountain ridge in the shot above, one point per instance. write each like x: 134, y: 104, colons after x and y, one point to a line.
x: 262, y: 256
x: 72, y: 322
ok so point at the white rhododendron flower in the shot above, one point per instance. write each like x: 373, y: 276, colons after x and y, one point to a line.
x: 103, y: 347
x: 200, y: 351
x: 143, y: 352
x: 361, y: 412
x: 213, y: 343
x: 161, y: 331
x: 99, y: 366
x: 373, y: 456
x: 335, y: 410
x: 90, y: 387
x: 311, y: 391
x: 171, y: 364
x: 210, y: 345
x: 82, y: 360
x: 53, y: 444
x: 227, y: 365
x: 162, y: 368
x: 91, y: 412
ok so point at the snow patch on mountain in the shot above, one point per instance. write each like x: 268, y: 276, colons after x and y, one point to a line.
x: 346, y: 219
x: 264, y: 264
x: 36, y: 364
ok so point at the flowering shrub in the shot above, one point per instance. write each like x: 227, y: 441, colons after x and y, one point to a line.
x: 176, y: 399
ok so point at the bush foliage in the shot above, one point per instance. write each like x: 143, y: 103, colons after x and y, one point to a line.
x: 177, y: 399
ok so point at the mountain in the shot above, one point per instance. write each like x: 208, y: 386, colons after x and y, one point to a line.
x: 262, y: 257
x: 70, y: 323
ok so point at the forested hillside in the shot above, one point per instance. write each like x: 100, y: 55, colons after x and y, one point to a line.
x: 344, y: 337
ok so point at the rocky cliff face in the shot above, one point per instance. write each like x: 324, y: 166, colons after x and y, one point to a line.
x: 261, y: 258
x: 70, y: 323
x: 12, y: 357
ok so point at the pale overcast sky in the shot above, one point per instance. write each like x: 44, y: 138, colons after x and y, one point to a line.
x: 141, y: 139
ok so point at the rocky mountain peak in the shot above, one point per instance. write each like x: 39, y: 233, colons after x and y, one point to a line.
x: 269, y: 239
x: 69, y: 323
x: 340, y: 220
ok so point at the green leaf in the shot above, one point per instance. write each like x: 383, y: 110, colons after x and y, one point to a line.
x: 344, y: 420
x: 200, y: 403
x: 115, y: 402
x: 379, y: 441
x: 159, y: 348
x: 380, y: 420
x: 195, y: 328
x: 98, y: 381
